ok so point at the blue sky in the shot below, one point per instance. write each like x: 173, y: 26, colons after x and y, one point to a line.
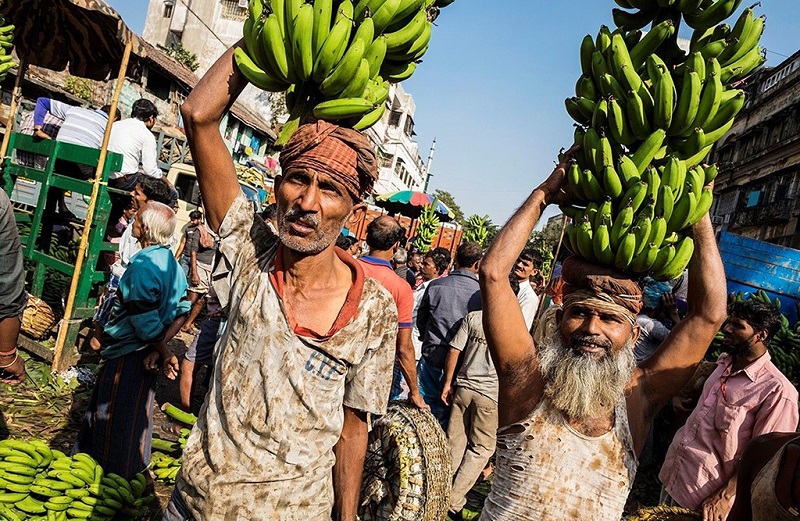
x: 491, y: 89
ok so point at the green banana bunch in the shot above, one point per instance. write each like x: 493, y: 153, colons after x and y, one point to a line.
x: 334, y: 56
x: 477, y: 230
x: 427, y: 229
x: 6, y: 45
x: 37, y: 482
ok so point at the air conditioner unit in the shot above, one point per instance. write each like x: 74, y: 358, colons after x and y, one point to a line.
x: 717, y: 219
x: 243, y: 4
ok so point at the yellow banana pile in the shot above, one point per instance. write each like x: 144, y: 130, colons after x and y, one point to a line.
x: 647, y: 116
x: 335, y: 59
x: 6, y: 44
x: 39, y: 483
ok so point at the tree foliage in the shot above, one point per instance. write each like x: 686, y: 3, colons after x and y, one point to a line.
x: 449, y: 201
x: 182, y: 55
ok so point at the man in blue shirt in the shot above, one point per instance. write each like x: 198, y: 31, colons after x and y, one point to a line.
x: 445, y: 304
x: 149, y: 309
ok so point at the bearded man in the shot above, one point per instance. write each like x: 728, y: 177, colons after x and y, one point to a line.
x: 309, y: 346
x: 745, y: 397
x: 575, y: 411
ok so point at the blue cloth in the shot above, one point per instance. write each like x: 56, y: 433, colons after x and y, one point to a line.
x: 431, y: 383
x: 445, y: 304
x: 151, y: 294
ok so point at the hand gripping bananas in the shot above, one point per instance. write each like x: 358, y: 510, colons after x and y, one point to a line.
x: 336, y: 56
x: 648, y: 114
x: 37, y: 482
x: 6, y: 45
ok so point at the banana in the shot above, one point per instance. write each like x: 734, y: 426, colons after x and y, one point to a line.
x: 418, y: 47
x: 609, y: 86
x: 688, y: 104
x: 653, y: 180
x: 665, y: 254
x: 384, y: 15
x: 641, y: 229
x: 45, y: 451
x: 25, y: 447
x: 645, y: 259
x: 335, y: 44
x: 591, y: 146
x: 255, y: 75
x: 620, y: 58
x: 636, y: 20
x: 664, y: 101
x: 698, y: 157
x: 637, y: 116
x: 375, y: 55
x: 370, y: 118
x: 30, y: 505
x: 584, y: 236
x: 665, y: 203
x: 396, y: 73
x: 674, y: 175
x: 627, y: 171
x: 19, y: 469
x: 689, y: 6
x: 76, y: 493
x: 710, y: 16
x: 604, y: 155
x: 43, y: 491
x: 635, y: 195
x: 586, y: 107
x: 599, y: 67
x: 627, y: 247
x: 586, y: 54
x: 618, y: 124
x: 585, y: 88
x: 747, y: 32
x: 574, y: 181
x: 603, y: 213
x: 648, y: 149
x: 690, y: 146
x: 612, y: 183
x: 710, y: 173
x: 406, y: 10
x: 72, y: 478
x: 697, y: 63
x: 602, y: 245
x: 575, y: 112
x: 341, y: 75
x: 709, y: 101
x: 19, y: 479
x: 405, y: 36
x: 621, y: 225
x: 591, y: 186
x: 650, y: 42
x: 658, y: 231
x: 600, y: 115
x: 675, y: 267
x: 359, y: 82
x: 55, y: 484
x: 343, y: 108
x: 323, y: 12
x: 274, y: 48
x: 602, y: 42
x: 743, y: 66
x: 278, y: 8
x: 9, y: 514
x: 377, y: 92
x: 22, y: 459
x: 684, y: 208
x: 703, y: 205
x: 11, y: 497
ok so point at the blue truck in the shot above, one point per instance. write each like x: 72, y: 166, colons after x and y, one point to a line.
x: 751, y: 265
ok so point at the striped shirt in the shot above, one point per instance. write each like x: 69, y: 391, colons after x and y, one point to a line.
x: 81, y: 126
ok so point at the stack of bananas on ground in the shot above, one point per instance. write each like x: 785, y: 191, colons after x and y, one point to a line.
x: 6, y: 44
x: 166, y: 459
x: 334, y: 58
x: 648, y: 114
x: 784, y: 348
x: 39, y: 483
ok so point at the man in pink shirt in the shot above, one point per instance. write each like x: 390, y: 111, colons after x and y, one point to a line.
x: 383, y: 238
x: 746, y: 396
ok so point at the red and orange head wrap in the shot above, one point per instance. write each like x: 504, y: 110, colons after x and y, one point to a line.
x: 600, y: 286
x: 342, y: 153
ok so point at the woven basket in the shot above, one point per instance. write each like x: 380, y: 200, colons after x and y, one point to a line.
x: 407, y: 473
x: 664, y: 513
x: 38, y: 318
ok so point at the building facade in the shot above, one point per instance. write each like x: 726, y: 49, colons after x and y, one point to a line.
x: 205, y: 28
x: 400, y: 165
x: 757, y: 192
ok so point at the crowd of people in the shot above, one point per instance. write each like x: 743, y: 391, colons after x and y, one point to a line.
x: 306, y: 336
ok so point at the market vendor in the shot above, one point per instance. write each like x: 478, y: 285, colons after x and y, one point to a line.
x: 310, y: 341
x: 574, y: 411
x: 12, y: 294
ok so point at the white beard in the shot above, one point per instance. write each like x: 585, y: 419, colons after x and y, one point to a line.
x: 581, y: 386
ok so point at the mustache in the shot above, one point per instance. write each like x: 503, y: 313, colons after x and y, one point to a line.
x: 577, y: 340
x: 296, y: 214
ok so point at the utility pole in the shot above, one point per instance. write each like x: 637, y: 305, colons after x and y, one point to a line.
x: 428, y: 174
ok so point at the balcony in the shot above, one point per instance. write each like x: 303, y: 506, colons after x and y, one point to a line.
x: 764, y: 214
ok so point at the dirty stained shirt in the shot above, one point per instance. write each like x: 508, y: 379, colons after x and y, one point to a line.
x: 262, y: 446
x: 548, y: 470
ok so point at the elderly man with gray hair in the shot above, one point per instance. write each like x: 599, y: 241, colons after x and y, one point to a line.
x: 150, y: 307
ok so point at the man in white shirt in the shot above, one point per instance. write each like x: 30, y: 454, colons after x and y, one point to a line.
x: 527, y: 265
x: 133, y: 139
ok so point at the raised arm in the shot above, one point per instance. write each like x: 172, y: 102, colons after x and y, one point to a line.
x: 202, y: 112
x: 507, y: 335
x: 668, y: 370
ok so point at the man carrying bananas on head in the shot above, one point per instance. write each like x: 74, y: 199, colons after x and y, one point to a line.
x: 575, y: 411
x: 310, y: 342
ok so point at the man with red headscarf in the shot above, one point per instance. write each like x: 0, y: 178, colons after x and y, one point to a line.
x: 574, y: 410
x: 310, y: 341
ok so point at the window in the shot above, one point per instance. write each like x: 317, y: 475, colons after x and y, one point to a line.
x: 169, y: 5
x: 158, y: 84
x: 409, y: 127
x: 384, y: 159
x: 399, y: 168
x: 187, y: 188
x: 232, y: 10
x: 394, y: 118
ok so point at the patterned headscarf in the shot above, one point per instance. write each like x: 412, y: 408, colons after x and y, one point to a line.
x: 600, y: 285
x: 342, y: 153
